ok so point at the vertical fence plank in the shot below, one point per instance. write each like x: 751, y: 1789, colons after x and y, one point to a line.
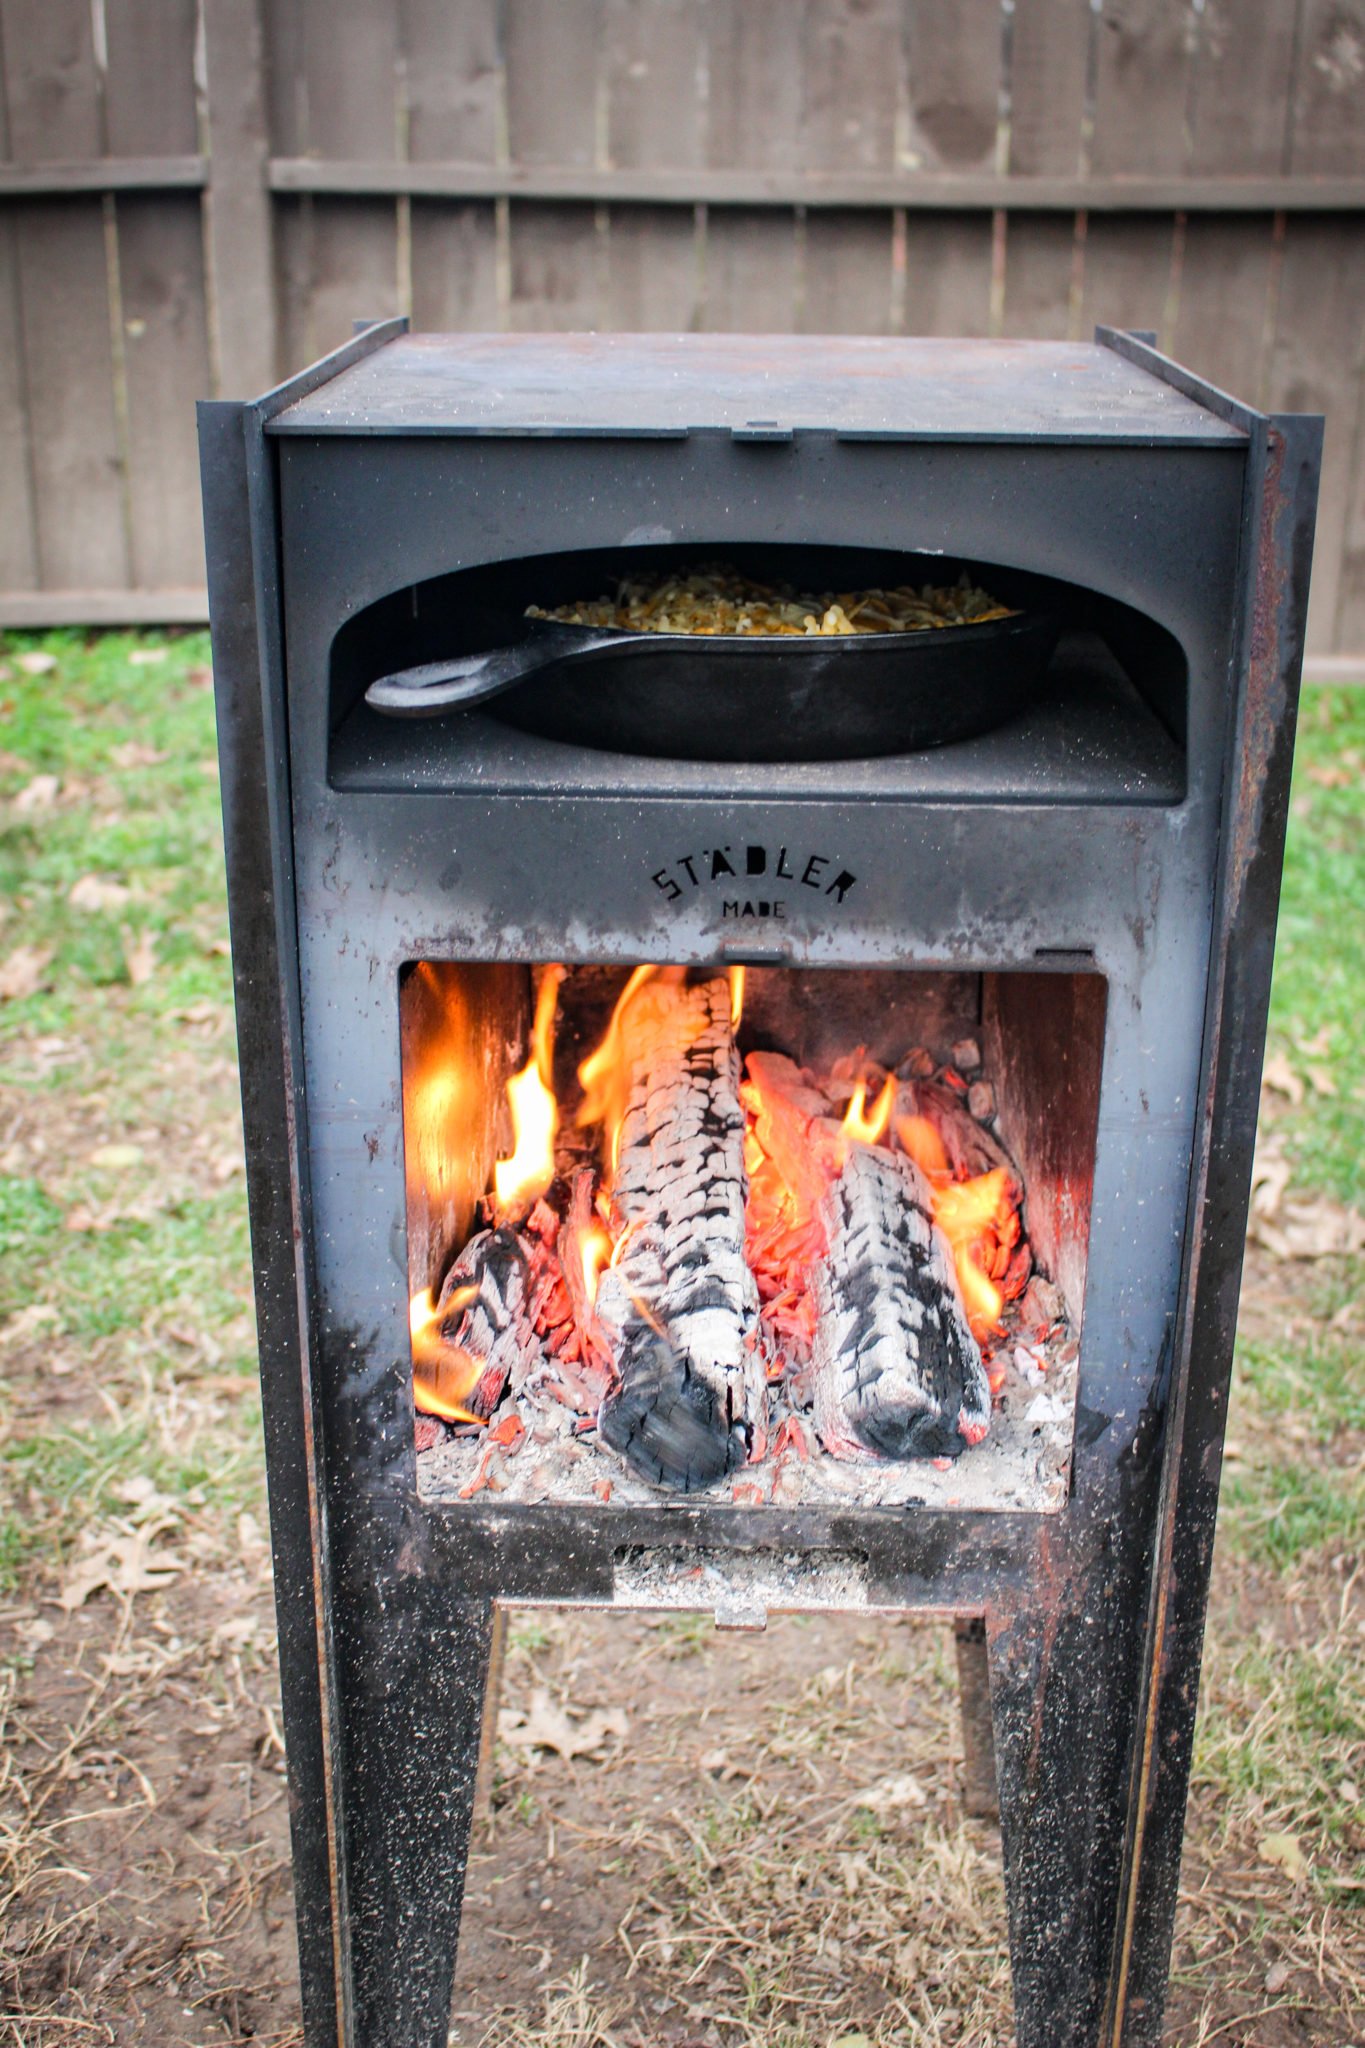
x: 1144, y: 66
x: 242, y: 316
x: 948, y: 273
x: 350, y: 51
x: 850, y: 67
x: 150, y: 110
x: 1049, y: 61
x: 754, y: 90
x: 655, y: 116
x: 332, y: 93
x: 1243, y: 86
x: 952, y: 65
x: 552, y: 49
x: 1143, y: 71
x: 1316, y: 367
x: 18, y: 535
x: 1040, y: 256
x: 53, y: 105
x: 1321, y: 313
x: 451, y: 94
x: 952, y: 86
x: 1328, y: 123
x: 1048, y: 68
x: 1239, y: 124
x: 161, y: 264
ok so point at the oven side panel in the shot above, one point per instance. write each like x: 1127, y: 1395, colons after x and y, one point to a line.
x: 241, y: 544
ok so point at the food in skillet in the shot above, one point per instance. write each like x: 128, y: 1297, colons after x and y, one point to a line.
x: 715, y: 599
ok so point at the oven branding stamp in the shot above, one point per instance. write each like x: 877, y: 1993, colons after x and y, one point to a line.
x: 726, y: 868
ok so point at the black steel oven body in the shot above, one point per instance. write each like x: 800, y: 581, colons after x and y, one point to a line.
x: 1128, y: 825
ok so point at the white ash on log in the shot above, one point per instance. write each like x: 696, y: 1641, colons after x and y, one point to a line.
x: 483, y: 1320
x: 679, y: 1297
x: 895, y: 1368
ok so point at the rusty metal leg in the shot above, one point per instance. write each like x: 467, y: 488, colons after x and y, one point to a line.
x: 414, y: 1670
x: 1063, y: 1692
x: 980, y: 1796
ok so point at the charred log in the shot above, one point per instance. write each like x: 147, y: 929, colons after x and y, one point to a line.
x: 679, y: 1300
x: 483, y: 1335
x: 895, y: 1368
x: 665, y: 1420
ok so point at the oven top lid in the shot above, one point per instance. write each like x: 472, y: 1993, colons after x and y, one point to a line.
x: 756, y: 388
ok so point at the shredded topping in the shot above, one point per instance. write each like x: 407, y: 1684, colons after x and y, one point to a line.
x: 714, y: 599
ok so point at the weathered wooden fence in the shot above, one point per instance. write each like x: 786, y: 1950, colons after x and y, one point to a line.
x: 198, y: 195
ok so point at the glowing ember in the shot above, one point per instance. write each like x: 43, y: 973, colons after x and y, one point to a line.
x: 535, y: 1113
x: 443, y: 1374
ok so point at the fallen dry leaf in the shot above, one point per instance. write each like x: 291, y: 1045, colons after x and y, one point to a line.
x: 546, y: 1726
x: 22, y: 973
x: 36, y: 663
x: 1314, y: 1228
x: 890, y: 1795
x: 116, y: 1156
x: 1279, y: 1075
x: 83, y: 1218
x: 97, y: 892
x: 146, y: 657
x: 1283, y: 1852
x: 1323, y: 1080
x: 123, y: 1562
x: 139, y: 957
x: 27, y: 1322
x: 38, y: 795
x: 134, y: 754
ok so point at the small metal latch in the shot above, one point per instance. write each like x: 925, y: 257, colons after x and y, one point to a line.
x: 736, y: 1612
x: 761, y: 430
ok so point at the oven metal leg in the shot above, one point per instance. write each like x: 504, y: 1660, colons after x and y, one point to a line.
x: 1063, y: 1672
x: 415, y: 1695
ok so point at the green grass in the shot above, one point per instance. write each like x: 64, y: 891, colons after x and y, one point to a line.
x: 126, y: 1041
x: 1316, y: 1008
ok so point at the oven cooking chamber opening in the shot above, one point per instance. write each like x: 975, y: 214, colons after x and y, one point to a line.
x: 760, y: 1235
x: 1069, y: 657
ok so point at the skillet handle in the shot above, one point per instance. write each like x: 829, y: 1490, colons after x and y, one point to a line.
x: 436, y: 686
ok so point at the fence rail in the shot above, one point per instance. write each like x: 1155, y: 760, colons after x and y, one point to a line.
x: 196, y: 196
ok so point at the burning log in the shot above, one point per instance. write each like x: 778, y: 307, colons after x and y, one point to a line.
x: 679, y: 1297
x: 969, y: 1149
x: 896, y: 1370
x: 481, y: 1333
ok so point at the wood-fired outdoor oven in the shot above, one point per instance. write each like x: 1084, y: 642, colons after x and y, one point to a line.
x: 899, y: 1003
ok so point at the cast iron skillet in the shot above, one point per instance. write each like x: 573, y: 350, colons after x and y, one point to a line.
x: 738, y: 697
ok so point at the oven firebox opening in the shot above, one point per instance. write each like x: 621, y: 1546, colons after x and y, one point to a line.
x: 761, y: 1235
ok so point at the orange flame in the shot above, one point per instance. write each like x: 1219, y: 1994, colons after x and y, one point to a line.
x: 535, y: 1113
x: 443, y: 1374
x: 921, y: 1140
x: 604, y: 1074
x: 972, y: 1214
x: 869, y: 1128
x: 595, y: 1253
x: 736, y: 996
